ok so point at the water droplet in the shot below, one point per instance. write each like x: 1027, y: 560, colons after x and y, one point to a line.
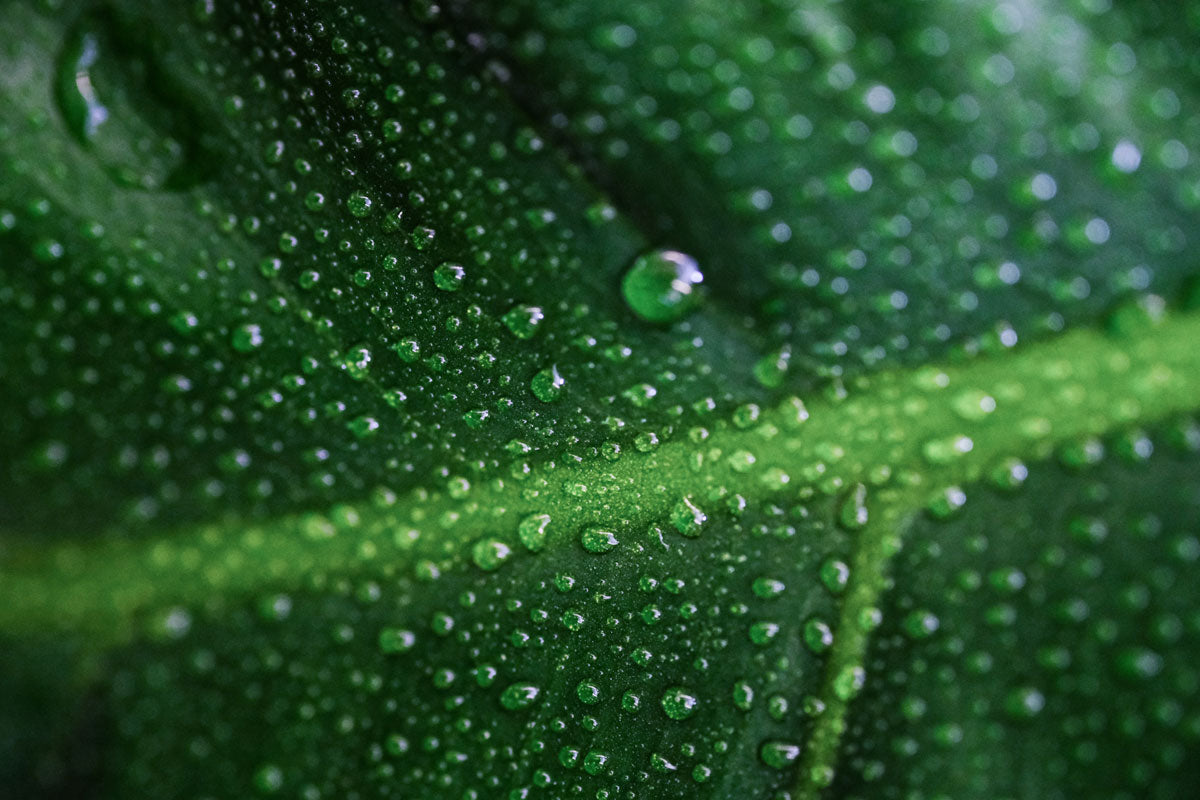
x: 359, y: 204
x: 920, y: 624
x: 588, y: 693
x: 779, y: 755
x: 116, y: 102
x: 595, y: 762
x: 768, y: 587
x: 743, y: 695
x: 762, y: 633
x: 489, y: 554
x: 519, y: 696
x: 662, y: 286
x: 835, y: 574
x: 597, y: 540
x: 532, y: 531
x: 1024, y: 702
x: 268, y: 779
x: 547, y: 385
x: 247, y: 337
x: 849, y: 682
x: 449, y: 277
x: 395, y: 640
x: 687, y: 518
x: 818, y: 636
x: 853, y: 514
x: 678, y: 703
x: 523, y: 321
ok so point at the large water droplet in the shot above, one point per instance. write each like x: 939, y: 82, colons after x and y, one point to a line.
x: 662, y: 286
x: 120, y: 104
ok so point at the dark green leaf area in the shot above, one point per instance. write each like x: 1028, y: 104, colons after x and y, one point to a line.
x: 1042, y: 644
x: 361, y: 266
x: 660, y: 668
x: 48, y: 746
x: 876, y: 181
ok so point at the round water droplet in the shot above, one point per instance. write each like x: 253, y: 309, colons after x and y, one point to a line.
x: 268, y: 779
x: 247, y: 337
x: 395, y: 640
x: 597, y: 540
x: 835, y: 574
x: 849, y: 682
x: 519, y: 696
x: 449, y: 277
x: 779, y: 755
x: 763, y: 633
x: 548, y: 385
x: 768, y: 587
x: 687, y: 517
x: 532, y: 531
x: 359, y: 204
x: 523, y: 321
x: 595, y: 762
x: 743, y: 695
x: 1024, y: 702
x: 113, y: 99
x: 662, y: 286
x: 489, y: 554
x: 678, y: 703
x: 588, y: 693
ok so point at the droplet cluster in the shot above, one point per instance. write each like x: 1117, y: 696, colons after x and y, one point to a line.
x: 1042, y: 636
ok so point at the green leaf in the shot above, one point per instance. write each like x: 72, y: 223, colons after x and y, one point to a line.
x: 763, y: 398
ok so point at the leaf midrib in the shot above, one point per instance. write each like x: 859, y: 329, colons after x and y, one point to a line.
x: 1083, y: 383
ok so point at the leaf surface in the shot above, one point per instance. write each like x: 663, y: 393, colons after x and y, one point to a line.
x: 354, y: 452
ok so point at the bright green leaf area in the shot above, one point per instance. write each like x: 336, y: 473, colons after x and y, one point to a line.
x: 781, y: 399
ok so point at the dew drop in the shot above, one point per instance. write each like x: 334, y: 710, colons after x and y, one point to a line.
x: 687, y: 518
x: 395, y: 640
x: 109, y: 89
x: 678, y: 703
x: 449, y: 277
x: 548, y: 385
x: 662, y: 286
x: 247, y: 338
x: 359, y: 204
x: 598, y: 540
x: 779, y: 755
x: 532, y: 531
x: 520, y: 696
x: 853, y: 514
x: 523, y: 321
x: 489, y: 554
